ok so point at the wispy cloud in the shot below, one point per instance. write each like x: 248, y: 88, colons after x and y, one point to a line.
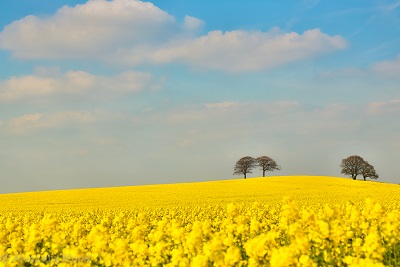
x: 389, y: 8
x: 36, y: 121
x: 387, y: 70
x: 308, y: 4
x: 383, y: 107
x: 73, y: 83
x: 221, y: 110
x: 221, y: 105
x: 25, y: 121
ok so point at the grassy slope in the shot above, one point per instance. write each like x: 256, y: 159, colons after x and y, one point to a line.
x: 307, y: 190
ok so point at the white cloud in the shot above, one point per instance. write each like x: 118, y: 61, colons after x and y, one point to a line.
x: 192, y: 23
x: 89, y: 30
x: 28, y: 122
x: 245, y: 51
x: 381, y: 107
x: 223, y: 105
x: 389, y: 68
x: 71, y: 82
x: 135, y: 32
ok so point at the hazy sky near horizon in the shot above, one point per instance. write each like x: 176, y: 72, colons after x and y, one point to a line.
x: 111, y: 93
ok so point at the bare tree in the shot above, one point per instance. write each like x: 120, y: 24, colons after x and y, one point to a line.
x: 244, y: 166
x: 368, y: 171
x: 353, y: 165
x: 267, y: 164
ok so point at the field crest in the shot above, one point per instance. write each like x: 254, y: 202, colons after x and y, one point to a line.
x: 269, y: 190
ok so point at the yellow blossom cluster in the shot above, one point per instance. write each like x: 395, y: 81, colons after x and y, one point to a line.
x: 300, y: 230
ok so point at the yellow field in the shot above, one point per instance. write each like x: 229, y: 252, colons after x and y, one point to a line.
x: 274, y: 221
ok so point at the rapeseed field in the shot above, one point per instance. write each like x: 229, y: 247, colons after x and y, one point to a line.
x: 274, y: 221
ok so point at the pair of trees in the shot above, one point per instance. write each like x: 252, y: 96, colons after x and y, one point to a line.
x: 245, y: 165
x: 356, y: 165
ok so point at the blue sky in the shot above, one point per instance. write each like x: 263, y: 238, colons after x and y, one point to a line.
x: 124, y: 92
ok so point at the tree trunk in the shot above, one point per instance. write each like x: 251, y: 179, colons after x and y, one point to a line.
x: 365, y: 178
x: 263, y: 173
x: 354, y: 177
x: 244, y: 175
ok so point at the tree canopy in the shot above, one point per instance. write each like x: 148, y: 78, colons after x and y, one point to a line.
x: 356, y: 165
x: 267, y: 164
x: 368, y: 171
x: 244, y: 166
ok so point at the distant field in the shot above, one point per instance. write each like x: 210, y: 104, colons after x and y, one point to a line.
x: 310, y: 190
x: 272, y: 221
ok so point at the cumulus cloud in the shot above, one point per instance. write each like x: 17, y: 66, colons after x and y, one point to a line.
x: 192, y: 23
x: 88, y: 30
x: 135, y: 32
x: 247, y: 51
x: 72, y: 82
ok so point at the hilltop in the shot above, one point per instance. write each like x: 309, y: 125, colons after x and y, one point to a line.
x: 303, y: 189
